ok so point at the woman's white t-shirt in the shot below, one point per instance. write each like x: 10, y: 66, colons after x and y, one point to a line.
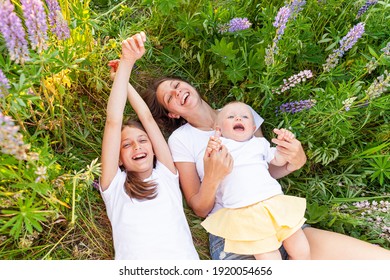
x: 153, y: 229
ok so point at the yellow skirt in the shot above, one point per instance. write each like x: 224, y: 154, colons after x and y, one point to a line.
x: 258, y: 228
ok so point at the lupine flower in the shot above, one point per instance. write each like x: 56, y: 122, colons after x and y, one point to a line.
x: 365, y: 7
x: 13, y: 33
x: 371, y: 65
x: 41, y: 172
x: 11, y: 141
x: 296, y: 106
x: 379, y: 86
x: 4, y: 84
x: 235, y: 24
x: 269, y: 56
x: 59, y: 25
x: 95, y: 184
x: 376, y: 214
x: 281, y: 21
x: 386, y: 50
x: 351, y: 38
x: 294, y: 80
x: 348, y: 102
x: 296, y: 6
x: 346, y: 43
x: 35, y: 19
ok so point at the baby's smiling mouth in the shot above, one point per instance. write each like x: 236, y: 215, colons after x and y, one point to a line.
x: 239, y: 127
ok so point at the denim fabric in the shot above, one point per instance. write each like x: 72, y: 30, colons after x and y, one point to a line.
x: 217, y: 244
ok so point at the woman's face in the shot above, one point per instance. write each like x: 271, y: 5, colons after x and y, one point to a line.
x: 136, y: 153
x: 178, y: 97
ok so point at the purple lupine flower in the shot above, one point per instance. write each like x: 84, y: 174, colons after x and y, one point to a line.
x: 379, y: 86
x: 386, y: 50
x: 365, y: 7
x: 96, y: 185
x: 4, y: 84
x: 35, y: 19
x: 280, y: 24
x: 351, y: 38
x: 294, y: 80
x: 13, y: 33
x: 296, y: 6
x: 59, y: 25
x: 346, y: 43
x: 237, y: 24
x: 296, y: 106
x: 11, y: 141
x: 281, y: 21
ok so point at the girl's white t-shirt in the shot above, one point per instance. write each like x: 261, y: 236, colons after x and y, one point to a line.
x: 153, y: 229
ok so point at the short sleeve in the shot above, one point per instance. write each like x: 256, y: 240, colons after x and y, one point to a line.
x: 179, y: 147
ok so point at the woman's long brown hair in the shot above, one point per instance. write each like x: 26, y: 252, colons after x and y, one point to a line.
x: 134, y: 186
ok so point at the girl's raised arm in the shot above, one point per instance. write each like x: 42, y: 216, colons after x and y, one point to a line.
x: 160, y: 146
x: 115, y: 108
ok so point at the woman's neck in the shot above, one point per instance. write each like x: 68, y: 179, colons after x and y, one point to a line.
x: 204, y: 118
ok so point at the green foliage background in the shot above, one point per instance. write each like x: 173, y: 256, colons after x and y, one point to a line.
x: 63, y: 216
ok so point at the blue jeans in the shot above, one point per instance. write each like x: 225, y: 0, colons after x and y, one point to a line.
x: 217, y: 244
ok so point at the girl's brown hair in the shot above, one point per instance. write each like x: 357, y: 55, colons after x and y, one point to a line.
x: 160, y: 114
x: 134, y: 186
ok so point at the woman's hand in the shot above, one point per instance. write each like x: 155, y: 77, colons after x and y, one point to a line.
x: 284, y: 134
x: 291, y: 149
x: 214, y: 144
x: 217, y: 164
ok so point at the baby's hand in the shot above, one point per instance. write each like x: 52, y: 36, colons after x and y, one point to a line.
x: 214, y: 144
x: 284, y: 134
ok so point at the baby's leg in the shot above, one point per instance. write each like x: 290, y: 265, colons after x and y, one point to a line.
x: 273, y: 255
x: 297, y: 246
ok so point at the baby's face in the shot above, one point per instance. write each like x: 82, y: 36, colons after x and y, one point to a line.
x: 236, y: 122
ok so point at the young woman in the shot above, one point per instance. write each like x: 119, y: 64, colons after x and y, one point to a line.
x: 139, y: 181
x: 174, y: 102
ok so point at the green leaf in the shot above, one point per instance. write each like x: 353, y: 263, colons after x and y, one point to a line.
x: 224, y: 50
x: 316, y: 213
x: 372, y: 52
x: 236, y: 71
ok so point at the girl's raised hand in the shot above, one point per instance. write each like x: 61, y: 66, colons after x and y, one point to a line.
x: 113, y: 64
x: 133, y: 48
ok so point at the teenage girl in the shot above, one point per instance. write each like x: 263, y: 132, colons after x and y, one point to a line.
x: 139, y: 182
